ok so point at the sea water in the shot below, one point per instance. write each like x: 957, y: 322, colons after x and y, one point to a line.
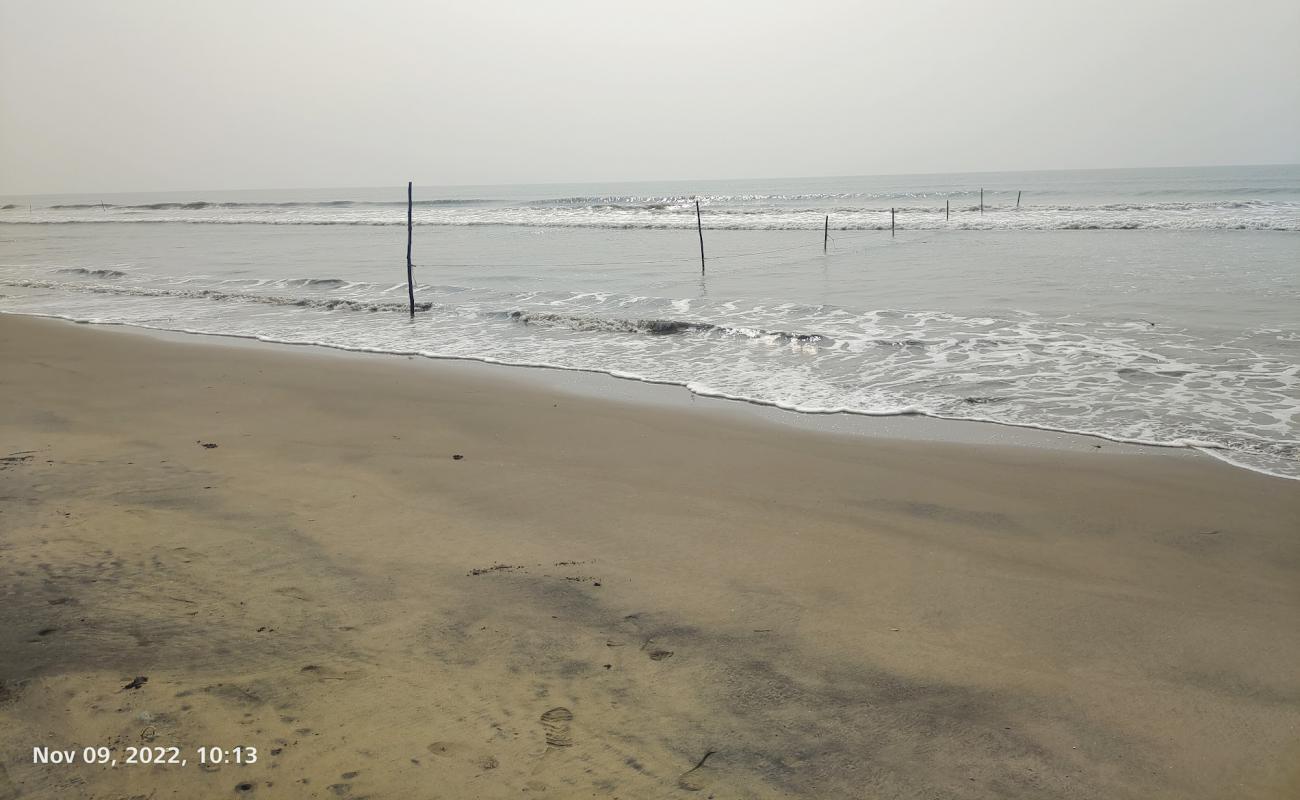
x: 1154, y: 306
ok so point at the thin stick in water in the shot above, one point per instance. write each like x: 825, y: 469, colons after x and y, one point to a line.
x: 699, y: 227
x: 826, y: 234
x: 981, y: 201
x: 410, y: 275
x: 891, y: 222
x: 1017, y: 199
x: 947, y: 210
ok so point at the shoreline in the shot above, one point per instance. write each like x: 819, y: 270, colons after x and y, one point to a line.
x: 634, y: 390
x: 600, y: 598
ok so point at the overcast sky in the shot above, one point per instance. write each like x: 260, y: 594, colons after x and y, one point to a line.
x: 135, y: 95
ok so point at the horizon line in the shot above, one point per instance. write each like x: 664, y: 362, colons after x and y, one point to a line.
x: 663, y: 180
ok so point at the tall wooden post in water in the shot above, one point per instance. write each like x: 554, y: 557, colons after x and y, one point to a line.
x: 826, y: 234
x: 947, y: 209
x: 981, y: 201
x: 699, y: 227
x: 1017, y: 199
x: 410, y: 275
x: 891, y: 222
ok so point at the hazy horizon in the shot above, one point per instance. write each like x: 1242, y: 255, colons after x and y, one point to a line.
x: 144, y: 96
x: 635, y: 181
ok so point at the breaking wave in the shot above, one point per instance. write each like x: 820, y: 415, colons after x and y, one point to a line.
x: 1164, y: 201
x: 197, y: 205
x: 1226, y: 215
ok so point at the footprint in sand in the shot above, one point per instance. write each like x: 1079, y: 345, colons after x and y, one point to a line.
x: 555, y: 724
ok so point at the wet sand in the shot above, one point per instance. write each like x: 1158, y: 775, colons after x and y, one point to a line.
x: 602, y: 599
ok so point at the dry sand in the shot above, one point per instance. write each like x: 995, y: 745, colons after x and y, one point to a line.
x: 599, y: 594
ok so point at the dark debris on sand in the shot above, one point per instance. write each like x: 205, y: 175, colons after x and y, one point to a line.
x: 494, y: 568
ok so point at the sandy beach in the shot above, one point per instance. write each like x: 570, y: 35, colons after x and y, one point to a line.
x: 408, y: 580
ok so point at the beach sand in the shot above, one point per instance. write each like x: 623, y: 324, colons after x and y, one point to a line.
x: 605, y: 599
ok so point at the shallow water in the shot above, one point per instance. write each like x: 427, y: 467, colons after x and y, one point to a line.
x: 1153, y: 306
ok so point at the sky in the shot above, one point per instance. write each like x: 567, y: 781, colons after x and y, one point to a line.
x: 145, y: 95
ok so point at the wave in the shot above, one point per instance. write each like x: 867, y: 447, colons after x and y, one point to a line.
x: 1232, y: 190
x: 659, y: 327
x: 633, y: 201
x: 323, y: 303
x: 749, y: 203
x: 641, y: 213
x: 987, y: 222
x: 202, y: 204
x: 94, y: 273
x: 318, y: 283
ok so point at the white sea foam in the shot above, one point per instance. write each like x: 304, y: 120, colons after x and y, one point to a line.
x: 861, y: 211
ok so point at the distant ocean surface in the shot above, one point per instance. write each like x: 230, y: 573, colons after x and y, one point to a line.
x: 1156, y: 306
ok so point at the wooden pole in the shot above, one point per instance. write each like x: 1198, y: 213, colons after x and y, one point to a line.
x: 826, y: 234
x: 699, y: 227
x: 981, y: 201
x: 947, y: 210
x: 410, y: 275
x: 891, y: 222
x: 1017, y: 199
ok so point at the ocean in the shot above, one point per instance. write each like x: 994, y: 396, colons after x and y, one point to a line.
x: 1154, y: 306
